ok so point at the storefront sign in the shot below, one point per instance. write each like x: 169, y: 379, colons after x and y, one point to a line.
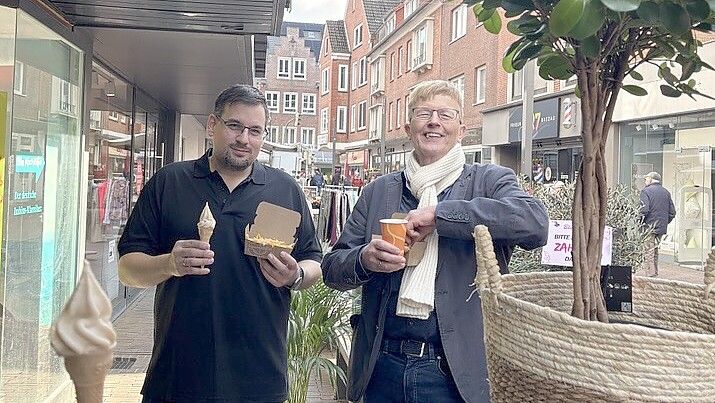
x: 322, y: 139
x: 25, y: 163
x: 357, y: 158
x: 546, y: 120
x: 557, y: 251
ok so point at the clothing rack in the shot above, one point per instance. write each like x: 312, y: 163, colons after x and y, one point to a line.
x: 336, y: 203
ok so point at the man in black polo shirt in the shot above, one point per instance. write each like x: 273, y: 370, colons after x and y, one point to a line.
x: 220, y: 316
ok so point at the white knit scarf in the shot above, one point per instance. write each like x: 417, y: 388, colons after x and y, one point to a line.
x: 426, y: 182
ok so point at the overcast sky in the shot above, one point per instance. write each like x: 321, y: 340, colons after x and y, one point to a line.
x: 317, y: 11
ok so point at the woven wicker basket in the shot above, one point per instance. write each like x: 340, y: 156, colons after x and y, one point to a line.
x: 536, y: 351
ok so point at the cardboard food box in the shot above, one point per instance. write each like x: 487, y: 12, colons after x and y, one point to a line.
x: 273, y: 223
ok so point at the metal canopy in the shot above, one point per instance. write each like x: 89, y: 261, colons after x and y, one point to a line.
x: 206, y: 16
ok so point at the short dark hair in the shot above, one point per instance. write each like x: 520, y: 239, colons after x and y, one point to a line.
x: 240, y: 94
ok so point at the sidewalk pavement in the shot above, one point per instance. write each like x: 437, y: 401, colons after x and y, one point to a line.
x: 134, y: 343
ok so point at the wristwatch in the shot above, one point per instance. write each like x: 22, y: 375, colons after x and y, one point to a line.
x: 298, y: 281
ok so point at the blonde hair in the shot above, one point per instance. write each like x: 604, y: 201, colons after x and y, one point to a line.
x: 427, y: 90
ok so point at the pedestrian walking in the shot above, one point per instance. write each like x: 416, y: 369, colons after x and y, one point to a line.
x: 221, y: 317
x: 658, y: 211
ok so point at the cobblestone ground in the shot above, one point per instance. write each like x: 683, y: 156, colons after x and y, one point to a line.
x: 134, y: 330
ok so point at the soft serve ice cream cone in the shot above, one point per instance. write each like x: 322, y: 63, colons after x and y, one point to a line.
x: 206, y: 224
x: 84, y: 336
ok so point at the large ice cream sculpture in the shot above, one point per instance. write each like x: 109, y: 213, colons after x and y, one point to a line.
x: 84, y: 336
x: 206, y: 224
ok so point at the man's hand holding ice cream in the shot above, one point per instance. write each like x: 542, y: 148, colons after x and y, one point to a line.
x: 190, y: 257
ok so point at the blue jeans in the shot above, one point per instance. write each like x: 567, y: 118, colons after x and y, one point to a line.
x: 407, y: 379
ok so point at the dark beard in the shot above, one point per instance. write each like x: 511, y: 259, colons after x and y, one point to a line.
x: 235, y: 164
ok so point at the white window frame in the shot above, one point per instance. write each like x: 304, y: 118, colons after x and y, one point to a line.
x: 290, y: 102
x: 325, y: 45
x: 516, y: 84
x: 480, y: 89
x: 18, y: 84
x: 273, y: 133
x: 357, y: 36
x: 409, y: 56
x: 390, y: 117
x: 324, y: 120
x: 343, y: 77
x: 459, y: 83
x: 274, y: 104
x: 311, y: 99
x: 398, y: 113
x: 341, y: 119
x: 420, y: 44
x: 363, y: 71
x: 354, y: 75
x: 289, y: 134
x: 392, y: 66
x: 407, y: 109
x: 307, y: 133
x: 113, y: 115
x: 325, y: 81
x: 400, y: 53
x: 459, y: 22
x: 281, y: 73
x: 362, y: 115
x: 299, y: 73
x: 352, y: 118
x: 411, y: 7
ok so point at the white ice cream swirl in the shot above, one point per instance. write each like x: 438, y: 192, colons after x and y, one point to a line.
x: 85, y: 327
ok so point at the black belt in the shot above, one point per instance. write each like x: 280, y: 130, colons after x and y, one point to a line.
x: 412, y: 348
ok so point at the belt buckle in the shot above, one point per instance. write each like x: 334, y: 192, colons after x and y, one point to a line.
x: 420, y: 355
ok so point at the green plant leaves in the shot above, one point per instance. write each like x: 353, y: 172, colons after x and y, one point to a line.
x: 555, y: 67
x: 565, y: 15
x: 493, y: 24
x: 621, y: 6
x: 636, y: 75
x: 591, y: 20
x: 674, y: 18
x: 669, y: 91
x: 635, y: 90
x: 591, y: 47
x: 649, y: 11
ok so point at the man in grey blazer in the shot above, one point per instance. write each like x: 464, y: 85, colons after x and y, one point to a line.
x: 419, y: 338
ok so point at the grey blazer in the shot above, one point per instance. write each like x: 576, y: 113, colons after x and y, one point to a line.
x: 484, y: 194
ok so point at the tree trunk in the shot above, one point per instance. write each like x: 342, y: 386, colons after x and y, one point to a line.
x: 589, y: 216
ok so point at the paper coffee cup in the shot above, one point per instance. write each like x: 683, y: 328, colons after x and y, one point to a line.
x: 394, y: 231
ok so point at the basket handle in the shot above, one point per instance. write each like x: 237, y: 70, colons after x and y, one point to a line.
x: 709, y: 274
x: 488, y: 275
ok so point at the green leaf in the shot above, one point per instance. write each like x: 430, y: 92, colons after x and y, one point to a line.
x: 525, y: 23
x: 664, y: 73
x: 557, y: 67
x: 675, y: 19
x: 477, y: 9
x: 486, y: 14
x: 591, y: 21
x: 516, y: 7
x: 636, y: 75
x: 621, y: 6
x: 591, y: 46
x: 688, y: 68
x: 635, y: 90
x: 565, y: 15
x: 525, y: 54
x: 507, y: 61
x: 699, y: 10
x: 649, y: 11
x: 538, y: 33
x: 493, y: 24
x: 491, y: 3
x: 577, y: 91
x: 669, y: 91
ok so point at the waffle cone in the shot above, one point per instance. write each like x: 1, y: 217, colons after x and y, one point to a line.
x: 88, y: 373
x: 205, y: 234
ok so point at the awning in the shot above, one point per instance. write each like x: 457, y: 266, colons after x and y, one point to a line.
x: 246, y: 17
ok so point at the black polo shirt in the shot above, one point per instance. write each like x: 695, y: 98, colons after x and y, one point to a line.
x: 221, y: 336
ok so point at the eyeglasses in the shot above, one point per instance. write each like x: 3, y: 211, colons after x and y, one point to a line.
x: 236, y: 127
x: 444, y: 114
